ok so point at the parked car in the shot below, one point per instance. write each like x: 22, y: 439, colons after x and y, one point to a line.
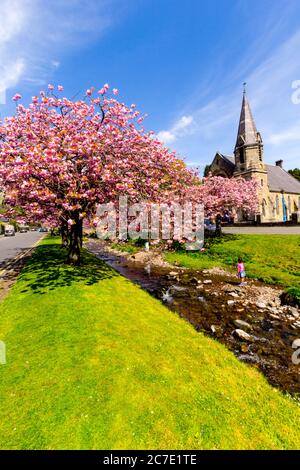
x: 43, y: 229
x: 209, y: 226
x: 9, y: 231
x: 23, y: 229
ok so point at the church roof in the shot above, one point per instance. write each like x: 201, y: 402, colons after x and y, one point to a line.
x: 229, y: 158
x: 247, y: 132
x: 280, y: 180
x: 228, y: 163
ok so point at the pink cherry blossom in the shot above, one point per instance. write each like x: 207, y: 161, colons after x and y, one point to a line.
x: 60, y: 158
x: 17, y: 97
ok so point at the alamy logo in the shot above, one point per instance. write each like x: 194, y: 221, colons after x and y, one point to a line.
x: 296, y: 354
x: 2, y: 353
x: 149, y: 221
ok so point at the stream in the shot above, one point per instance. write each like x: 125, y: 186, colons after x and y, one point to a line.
x: 258, y: 333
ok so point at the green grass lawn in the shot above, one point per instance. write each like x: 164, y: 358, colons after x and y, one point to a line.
x: 95, y: 362
x: 274, y: 259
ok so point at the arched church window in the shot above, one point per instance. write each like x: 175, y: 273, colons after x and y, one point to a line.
x: 272, y: 206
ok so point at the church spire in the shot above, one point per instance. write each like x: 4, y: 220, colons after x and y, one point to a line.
x: 248, y: 150
x: 247, y: 132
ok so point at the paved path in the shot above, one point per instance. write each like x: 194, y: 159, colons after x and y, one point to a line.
x: 10, y: 247
x: 263, y: 230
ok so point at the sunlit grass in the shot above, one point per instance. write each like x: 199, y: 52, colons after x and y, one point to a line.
x: 271, y: 258
x: 94, y: 362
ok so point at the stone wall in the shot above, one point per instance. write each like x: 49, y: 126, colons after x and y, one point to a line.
x: 272, y: 206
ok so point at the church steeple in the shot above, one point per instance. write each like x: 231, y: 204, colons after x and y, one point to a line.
x: 247, y: 132
x: 249, y: 147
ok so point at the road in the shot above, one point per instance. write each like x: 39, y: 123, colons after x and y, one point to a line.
x: 279, y: 230
x: 10, y: 247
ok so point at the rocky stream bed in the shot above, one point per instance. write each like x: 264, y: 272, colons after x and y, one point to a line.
x: 249, y: 320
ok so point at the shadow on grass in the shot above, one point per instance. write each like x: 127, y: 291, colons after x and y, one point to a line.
x: 211, y: 240
x: 46, y: 270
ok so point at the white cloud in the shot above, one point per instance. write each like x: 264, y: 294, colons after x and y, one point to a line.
x: 278, y: 118
x: 166, y: 136
x: 11, y: 73
x: 290, y: 134
x: 35, y: 34
x: 183, y: 123
x: 55, y: 63
x: 177, y: 130
x: 269, y: 89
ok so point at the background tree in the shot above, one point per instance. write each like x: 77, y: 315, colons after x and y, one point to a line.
x: 206, y: 170
x: 60, y: 158
x: 295, y: 173
x: 220, y: 194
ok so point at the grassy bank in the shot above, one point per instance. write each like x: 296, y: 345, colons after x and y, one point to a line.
x: 95, y: 362
x: 274, y: 259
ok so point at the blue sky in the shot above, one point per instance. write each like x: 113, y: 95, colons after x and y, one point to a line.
x: 182, y: 62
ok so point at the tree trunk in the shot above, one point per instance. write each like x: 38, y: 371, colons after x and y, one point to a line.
x: 218, y: 232
x: 64, y: 234
x: 80, y: 232
x: 75, y: 242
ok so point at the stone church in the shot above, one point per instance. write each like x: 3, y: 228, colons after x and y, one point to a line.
x: 278, y: 191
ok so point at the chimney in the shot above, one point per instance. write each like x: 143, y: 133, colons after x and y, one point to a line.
x: 279, y: 163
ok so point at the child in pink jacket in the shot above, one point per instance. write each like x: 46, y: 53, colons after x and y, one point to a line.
x: 241, y: 273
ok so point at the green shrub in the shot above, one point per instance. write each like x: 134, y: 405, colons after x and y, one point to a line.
x: 291, y: 296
